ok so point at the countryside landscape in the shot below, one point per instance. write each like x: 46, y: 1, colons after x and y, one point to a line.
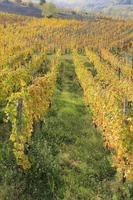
x: 66, y: 100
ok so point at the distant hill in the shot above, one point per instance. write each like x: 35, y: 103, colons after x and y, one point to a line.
x: 82, y: 4
x: 91, y: 4
x: 123, y: 2
x: 19, y: 9
x: 112, y: 8
x: 15, y: 8
x: 103, y: 4
x: 119, y: 11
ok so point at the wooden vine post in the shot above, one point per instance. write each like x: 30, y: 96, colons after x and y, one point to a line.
x: 125, y: 113
x: 125, y: 106
x: 119, y: 73
x: 20, y: 115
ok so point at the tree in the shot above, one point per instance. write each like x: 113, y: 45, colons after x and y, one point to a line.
x: 42, y: 2
x: 49, y: 9
x: 30, y: 4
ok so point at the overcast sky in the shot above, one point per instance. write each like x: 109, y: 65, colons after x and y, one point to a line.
x: 68, y: 1
x: 78, y: 2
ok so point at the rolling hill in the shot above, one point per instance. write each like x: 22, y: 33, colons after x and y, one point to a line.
x: 91, y: 4
x: 112, y: 8
x: 15, y: 8
x: 119, y: 11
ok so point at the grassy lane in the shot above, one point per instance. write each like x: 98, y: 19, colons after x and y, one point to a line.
x: 84, y: 168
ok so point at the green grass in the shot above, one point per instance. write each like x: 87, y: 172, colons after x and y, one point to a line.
x: 83, y: 160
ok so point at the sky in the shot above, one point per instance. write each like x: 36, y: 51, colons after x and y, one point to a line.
x: 79, y: 2
x: 71, y: 3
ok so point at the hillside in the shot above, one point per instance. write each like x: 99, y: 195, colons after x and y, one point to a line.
x: 9, y: 7
x: 19, y: 9
x: 91, y: 4
x: 113, y: 8
x: 119, y: 11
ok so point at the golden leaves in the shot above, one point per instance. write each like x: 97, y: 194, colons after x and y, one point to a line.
x: 34, y: 104
x: 106, y: 104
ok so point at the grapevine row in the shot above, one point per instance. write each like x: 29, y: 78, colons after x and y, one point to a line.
x: 27, y: 106
x: 109, y: 77
x: 116, y: 63
x: 107, y: 108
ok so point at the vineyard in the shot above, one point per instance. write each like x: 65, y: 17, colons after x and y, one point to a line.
x: 66, y: 109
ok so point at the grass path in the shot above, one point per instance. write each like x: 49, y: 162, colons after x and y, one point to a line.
x: 84, y: 166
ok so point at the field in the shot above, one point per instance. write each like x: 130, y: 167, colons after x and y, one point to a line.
x: 66, y: 109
